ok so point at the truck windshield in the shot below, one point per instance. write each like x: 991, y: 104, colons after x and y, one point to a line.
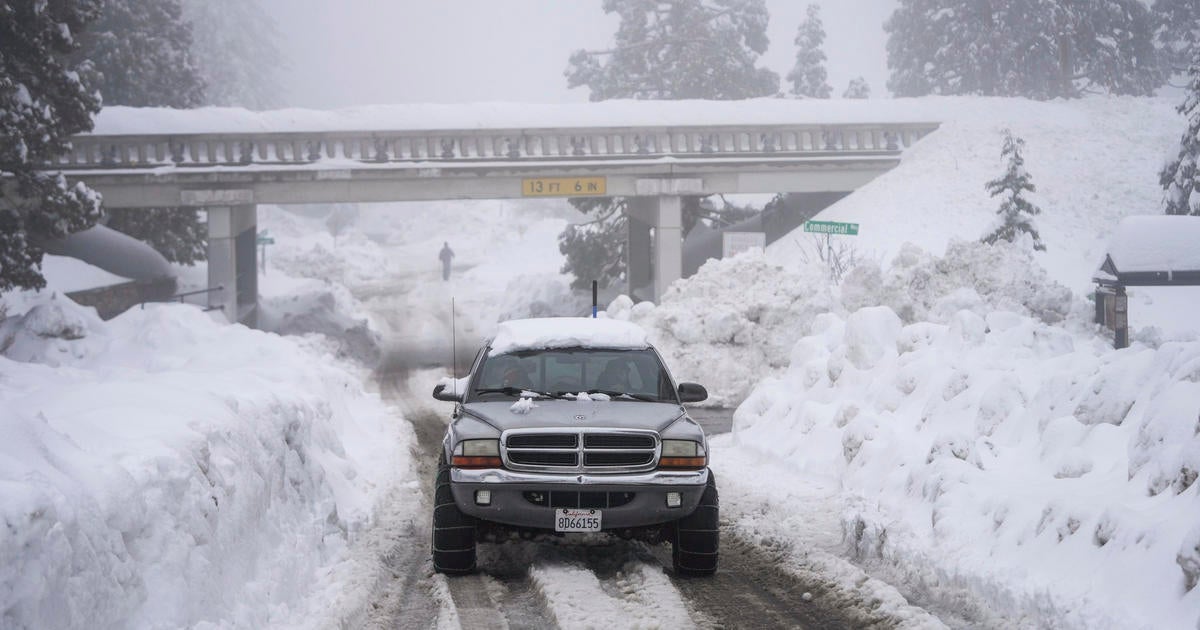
x: 622, y: 374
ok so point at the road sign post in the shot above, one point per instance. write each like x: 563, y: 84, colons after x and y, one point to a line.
x: 262, y: 240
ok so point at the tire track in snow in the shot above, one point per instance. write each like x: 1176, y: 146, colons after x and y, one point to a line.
x: 414, y: 597
x: 577, y: 598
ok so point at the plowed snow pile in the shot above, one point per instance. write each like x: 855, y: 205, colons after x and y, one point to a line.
x: 1094, y: 161
x: 1031, y: 465
x: 164, y: 470
x: 985, y: 448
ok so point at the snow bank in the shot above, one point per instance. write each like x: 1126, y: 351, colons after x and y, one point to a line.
x: 304, y: 290
x: 1034, y: 467
x: 1094, y: 161
x: 732, y: 322
x: 748, y: 311
x: 311, y: 307
x: 163, y: 470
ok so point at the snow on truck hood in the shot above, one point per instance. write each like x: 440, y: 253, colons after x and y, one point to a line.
x: 567, y: 332
x: 565, y: 414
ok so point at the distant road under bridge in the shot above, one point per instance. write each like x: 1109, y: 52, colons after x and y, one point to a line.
x: 227, y: 167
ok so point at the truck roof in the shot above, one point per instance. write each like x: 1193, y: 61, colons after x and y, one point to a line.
x: 567, y: 332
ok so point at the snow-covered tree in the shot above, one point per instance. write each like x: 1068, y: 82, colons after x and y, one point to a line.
x: 1181, y: 178
x: 143, y: 57
x: 1113, y: 47
x: 236, y: 45
x: 808, y: 76
x: 858, y: 88
x: 664, y: 49
x: 1034, y: 48
x: 679, y: 49
x: 1016, y: 212
x: 596, y: 250
x: 142, y: 52
x: 176, y: 233
x: 1177, y: 32
x: 44, y: 99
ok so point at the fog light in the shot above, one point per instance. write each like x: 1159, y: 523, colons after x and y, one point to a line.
x: 674, y: 499
x: 483, y: 497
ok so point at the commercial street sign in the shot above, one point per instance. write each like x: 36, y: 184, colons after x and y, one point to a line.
x: 564, y: 187
x: 831, y: 227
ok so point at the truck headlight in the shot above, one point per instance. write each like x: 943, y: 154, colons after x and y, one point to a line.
x: 477, y: 454
x: 682, y: 454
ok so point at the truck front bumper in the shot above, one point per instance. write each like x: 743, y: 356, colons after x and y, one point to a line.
x: 510, y: 503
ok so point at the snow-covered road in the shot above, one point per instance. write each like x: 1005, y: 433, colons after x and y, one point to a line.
x: 597, y: 582
x: 579, y: 582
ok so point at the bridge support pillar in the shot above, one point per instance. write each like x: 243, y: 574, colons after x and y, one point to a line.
x: 668, y: 244
x: 654, y: 260
x: 642, y: 213
x: 233, y: 262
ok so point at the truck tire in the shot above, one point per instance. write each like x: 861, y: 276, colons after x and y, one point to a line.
x: 453, y: 531
x: 696, y: 537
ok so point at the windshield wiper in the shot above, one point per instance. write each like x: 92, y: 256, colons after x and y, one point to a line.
x: 616, y: 394
x: 517, y: 391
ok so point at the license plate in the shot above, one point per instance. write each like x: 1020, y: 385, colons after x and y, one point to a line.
x: 576, y: 520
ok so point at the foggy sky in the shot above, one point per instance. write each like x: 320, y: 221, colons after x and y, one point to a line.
x: 357, y: 52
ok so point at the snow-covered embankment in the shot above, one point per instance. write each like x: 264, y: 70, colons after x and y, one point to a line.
x: 164, y: 470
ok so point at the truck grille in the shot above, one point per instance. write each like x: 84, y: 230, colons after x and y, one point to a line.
x: 538, y: 458
x: 584, y: 450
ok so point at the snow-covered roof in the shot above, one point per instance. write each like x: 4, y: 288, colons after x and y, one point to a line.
x: 1156, y: 243
x: 567, y: 332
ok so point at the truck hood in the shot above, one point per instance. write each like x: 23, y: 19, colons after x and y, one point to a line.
x: 559, y: 414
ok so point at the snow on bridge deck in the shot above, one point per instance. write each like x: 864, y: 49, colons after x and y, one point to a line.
x: 153, y: 157
x: 481, y: 116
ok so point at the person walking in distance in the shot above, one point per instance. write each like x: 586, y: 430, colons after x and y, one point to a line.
x: 446, y: 255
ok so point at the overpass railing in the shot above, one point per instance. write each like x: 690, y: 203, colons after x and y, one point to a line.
x: 92, y: 152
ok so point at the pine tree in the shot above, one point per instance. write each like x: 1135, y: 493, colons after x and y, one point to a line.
x: 44, y: 99
x: 236, y: 45
x: 679, y: 49
x: 808, y: 76
x: 1039, y: 49
x: 596, y: 250
x: 176, y: 233
x: 1114, y: 47
x: 1177, y: 32
x: 858, y: 89
x: 142, y: 51
x: 1181, y: 178
x: 1016, y: 212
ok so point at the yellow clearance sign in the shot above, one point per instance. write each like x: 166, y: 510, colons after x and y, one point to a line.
x: 564, y: 187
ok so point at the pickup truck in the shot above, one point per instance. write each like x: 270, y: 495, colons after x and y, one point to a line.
x: 567, y: 426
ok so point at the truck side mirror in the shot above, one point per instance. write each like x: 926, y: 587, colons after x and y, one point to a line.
x: 692, y: 392
x: 440, y: 393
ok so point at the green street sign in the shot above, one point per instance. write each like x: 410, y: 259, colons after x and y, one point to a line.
x: 830, y: 227
x: 266, y: 240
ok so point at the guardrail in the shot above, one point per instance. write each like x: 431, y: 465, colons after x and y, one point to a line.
x: 382, y: 147
x: 180, y: 298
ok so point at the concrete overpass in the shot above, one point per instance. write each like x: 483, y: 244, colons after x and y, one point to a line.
x: 229, y: 172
